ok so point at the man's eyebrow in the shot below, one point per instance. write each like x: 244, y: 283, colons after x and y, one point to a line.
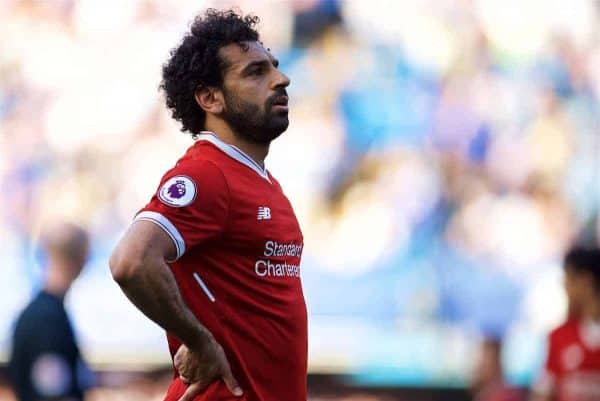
x: 260, y: 63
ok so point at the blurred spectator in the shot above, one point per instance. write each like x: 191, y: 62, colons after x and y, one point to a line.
x: 489, y: 383
x: 572, y: 369
x: 46, y: 362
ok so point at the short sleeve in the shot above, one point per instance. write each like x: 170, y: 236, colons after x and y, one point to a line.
x: 191, y: 204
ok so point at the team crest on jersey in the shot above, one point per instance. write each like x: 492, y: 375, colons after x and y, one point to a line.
x: 178, y: 191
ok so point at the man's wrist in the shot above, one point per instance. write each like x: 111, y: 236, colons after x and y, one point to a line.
x: 200, y: 340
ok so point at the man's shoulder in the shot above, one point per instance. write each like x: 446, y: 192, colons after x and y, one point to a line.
x: 39, y: 311
x: 199, y: 160
x: 204, y: 160
x: 566, y: 329
x: 206, y: 155
x: 200, y: 153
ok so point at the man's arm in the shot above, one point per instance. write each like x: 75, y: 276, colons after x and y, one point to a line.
x: 543, y: 389
x: 138, y: 265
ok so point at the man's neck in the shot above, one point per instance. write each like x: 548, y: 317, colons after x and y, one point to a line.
x: 257, y: 152
x: 56, y: 282
x: 57, y: 288
x: 591, y: 310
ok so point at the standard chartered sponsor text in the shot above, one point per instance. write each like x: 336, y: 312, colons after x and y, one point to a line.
x: 268, y: 268
x: 274, y: 248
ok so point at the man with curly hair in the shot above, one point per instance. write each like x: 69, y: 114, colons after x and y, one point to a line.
x: 214, y: 257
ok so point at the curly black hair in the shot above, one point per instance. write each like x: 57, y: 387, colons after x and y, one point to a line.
x: 196, y: 62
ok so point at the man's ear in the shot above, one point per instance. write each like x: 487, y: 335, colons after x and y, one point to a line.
x: 210, y: 99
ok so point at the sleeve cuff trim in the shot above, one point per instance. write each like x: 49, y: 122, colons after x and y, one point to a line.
x: 168, y: 227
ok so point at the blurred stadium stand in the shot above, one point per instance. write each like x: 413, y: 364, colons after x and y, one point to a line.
x: 441, y: 157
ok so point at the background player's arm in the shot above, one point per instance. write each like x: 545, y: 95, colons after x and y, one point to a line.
x: 544, y: 387
x: 540, y: 397
x: 542, y: 390
x: 138, y: 265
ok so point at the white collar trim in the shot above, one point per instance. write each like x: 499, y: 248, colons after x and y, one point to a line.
x: 234, y: 152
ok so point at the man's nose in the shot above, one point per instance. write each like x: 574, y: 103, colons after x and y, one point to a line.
x: 282, y: 80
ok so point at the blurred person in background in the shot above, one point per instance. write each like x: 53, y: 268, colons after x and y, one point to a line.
x: 572, y: 369
x: 489, y: 383
x: 46, y: 363
x: 214, y: 257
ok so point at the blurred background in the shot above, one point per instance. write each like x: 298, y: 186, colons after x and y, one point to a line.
x: 441, y: 157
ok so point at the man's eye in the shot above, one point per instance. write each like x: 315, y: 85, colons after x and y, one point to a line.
x: 256, y: 71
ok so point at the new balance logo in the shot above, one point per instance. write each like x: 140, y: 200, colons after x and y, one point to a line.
x: 264, y: 213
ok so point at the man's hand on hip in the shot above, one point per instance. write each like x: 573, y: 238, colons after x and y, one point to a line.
x: 199, y: 368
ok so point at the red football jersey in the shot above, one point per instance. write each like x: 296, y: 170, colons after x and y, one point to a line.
x: 238, y: 267
x: 572, y: 370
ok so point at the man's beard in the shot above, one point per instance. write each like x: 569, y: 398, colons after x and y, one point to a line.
x: 252, y: 124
